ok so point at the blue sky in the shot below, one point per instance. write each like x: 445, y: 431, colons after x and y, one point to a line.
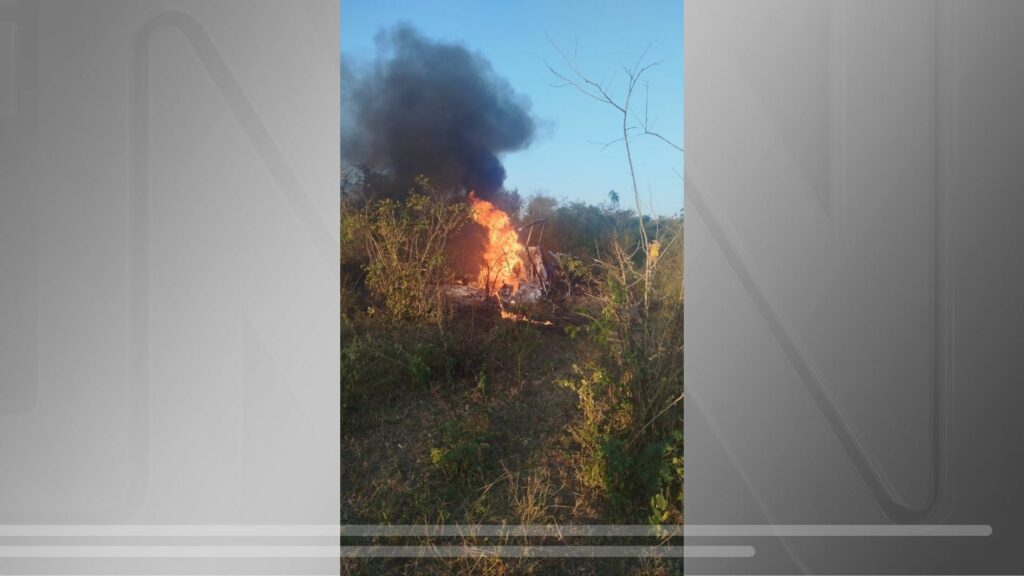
x: 513, y: 35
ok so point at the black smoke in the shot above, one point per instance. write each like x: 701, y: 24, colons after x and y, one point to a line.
x: 432, y: 108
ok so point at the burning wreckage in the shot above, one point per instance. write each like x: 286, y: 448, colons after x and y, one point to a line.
x: 513, y: 272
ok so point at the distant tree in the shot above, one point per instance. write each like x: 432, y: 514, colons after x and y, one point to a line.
x: 539, y: 206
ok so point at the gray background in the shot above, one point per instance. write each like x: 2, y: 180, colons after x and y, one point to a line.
x: 168, y: 286
x: 168, y: 271
x: 855, y: 287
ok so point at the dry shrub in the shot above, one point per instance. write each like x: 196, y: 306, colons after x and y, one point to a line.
x: 407, y: 248
x: 630, y: 395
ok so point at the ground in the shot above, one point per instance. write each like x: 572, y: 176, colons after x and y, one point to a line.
x: 494, y: 451
x: 386, y: 453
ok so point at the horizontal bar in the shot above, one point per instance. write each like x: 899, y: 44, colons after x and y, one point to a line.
x: 26, y: 552
x: 547, y: 551
x: 838, y: 530
x: 497, y: 530
x: 169, y: 551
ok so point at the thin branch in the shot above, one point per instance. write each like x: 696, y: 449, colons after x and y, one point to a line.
x: 647, y: 132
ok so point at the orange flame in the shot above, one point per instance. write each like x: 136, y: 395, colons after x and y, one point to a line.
x: 502, y: 255
x: 520, y: 318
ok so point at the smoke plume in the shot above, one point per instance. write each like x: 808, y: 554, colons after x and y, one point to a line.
x: 433, y: 108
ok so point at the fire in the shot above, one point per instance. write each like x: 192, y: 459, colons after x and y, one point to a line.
x: 520, y: 318
x: 502, y: 255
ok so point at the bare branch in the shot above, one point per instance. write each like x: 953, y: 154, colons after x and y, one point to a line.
x: 601, y: 92
x: 647, y: 132
x: 582, y: 82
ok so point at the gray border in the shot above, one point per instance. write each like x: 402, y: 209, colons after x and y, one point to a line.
x: 943, y: 376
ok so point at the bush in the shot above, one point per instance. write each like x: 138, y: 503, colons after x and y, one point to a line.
x: 512, y: 345
x: 630, y: 394
x: 581, y: 229
x: 380, y: 357
x: 465, y: 446
x: 406, y: 243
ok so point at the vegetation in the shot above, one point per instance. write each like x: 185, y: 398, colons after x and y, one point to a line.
x: 456, y: 414
x: 453, y: 414
x: 630, y: 394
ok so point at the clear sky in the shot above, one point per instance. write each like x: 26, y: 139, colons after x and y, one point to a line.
x: 513, y: 35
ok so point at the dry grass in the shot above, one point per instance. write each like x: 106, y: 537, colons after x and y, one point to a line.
x: 530, y: 475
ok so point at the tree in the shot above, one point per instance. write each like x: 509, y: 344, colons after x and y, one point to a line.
x: 632, y: 124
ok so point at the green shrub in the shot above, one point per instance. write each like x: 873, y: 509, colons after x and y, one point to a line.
x: 630, y: 393
x: 513, y: 344
x: 464, y: 446
x: 380, y: 357
x: 406, y: 243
